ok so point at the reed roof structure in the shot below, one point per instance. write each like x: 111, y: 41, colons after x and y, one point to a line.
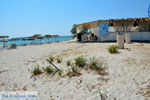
x: 144, y: 23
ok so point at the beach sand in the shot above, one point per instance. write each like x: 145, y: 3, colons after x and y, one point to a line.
x: 128, y: 72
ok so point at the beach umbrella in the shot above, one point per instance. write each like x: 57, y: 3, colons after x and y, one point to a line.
x: 40, y: 38
x: 48, y: 36
x: 13, y: 39
x: 31, y: 39
x: 55, y: 37
x: 3, y: 37
x: 17, y: 40
x: 36, y: 36
x: 23, y: 41
x: 3, y: 41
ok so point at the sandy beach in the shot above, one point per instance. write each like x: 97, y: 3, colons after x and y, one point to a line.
x: 128, y: 72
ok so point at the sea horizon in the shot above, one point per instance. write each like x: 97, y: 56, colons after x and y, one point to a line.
x: 20, y: 42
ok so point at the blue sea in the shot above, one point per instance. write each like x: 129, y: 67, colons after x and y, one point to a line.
x: 39, y: 41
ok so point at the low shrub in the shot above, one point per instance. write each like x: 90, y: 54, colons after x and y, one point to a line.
x: 80, y: 61
x: 59, y: 60
x: 73, y: 69
x: 112, y: 49
x: 36, y: 71
x: 68, y: 63
x: 60, y: 72
x: 73, y: 72
x: 97, y: 66
x: 51, y: 59
x: 48, y: 70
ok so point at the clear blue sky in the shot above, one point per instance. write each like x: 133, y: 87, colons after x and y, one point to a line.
x: 28, y: 17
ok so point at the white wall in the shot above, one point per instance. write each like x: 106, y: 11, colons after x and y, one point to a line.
x: 135, y: 36
x: 140, y: 36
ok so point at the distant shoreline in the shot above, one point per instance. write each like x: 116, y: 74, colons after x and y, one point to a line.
x: 36, y: 41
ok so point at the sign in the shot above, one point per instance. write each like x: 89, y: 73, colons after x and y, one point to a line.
x: 103, y: 30
x: 149, y: 11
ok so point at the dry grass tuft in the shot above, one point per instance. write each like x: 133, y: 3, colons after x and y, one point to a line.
x: 36, y: 70
x: 112, y: 49
x: 80, y: 61
x: 73, y: 72
x: 97, y: 66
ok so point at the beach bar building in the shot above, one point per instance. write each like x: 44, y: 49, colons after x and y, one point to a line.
x: 107, y: 30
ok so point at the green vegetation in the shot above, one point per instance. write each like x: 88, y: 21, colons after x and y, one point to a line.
x: 68, y: 63
x: 113, y: 49
x: 36, y: 70
x: 74, y: 31
x: 60, y: 72
x: 73, y: 69
x: 59, y: 60
x: 51, y: 59
x: 97, y: 66
x: 73, y: 72
x: 80, y: 61
x: 48, y: 70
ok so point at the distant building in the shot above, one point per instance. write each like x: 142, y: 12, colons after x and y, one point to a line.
x: 107, y: 30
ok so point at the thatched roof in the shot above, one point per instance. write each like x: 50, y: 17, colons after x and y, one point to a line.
x: 129, y: 21
x: 4, y: 36
x: 13, y: 39
x: 55, y: 35
x: 3, y: 41
x: 48, y: 36
x: 143, y: 22
x: 31, y: 38
x: 93, y: 24
x: 36, y: 35
x: 40, y: 37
